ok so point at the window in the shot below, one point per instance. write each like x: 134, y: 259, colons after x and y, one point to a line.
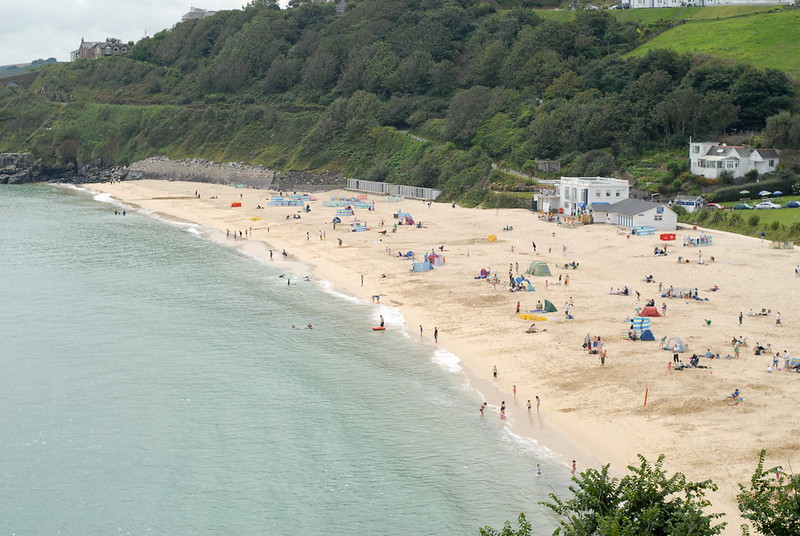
x: 608, y: 193
x: 772, y: 163
x: 729, y: 164
x: 618, y: 193
x: 597, y: 193
x: 696, y: 149
x: 658, y: 217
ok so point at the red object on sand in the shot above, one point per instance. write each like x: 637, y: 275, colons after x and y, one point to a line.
x: 667, y: 236
x: 236, y: 204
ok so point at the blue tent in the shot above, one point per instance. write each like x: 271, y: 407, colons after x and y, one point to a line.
x: 647, y: 335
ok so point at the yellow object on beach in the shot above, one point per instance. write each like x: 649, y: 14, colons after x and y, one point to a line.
x: 492, y: 238
x: 255, y: 219
x: 535, y: 318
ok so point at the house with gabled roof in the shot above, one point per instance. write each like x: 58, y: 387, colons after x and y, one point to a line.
x: 710, y: 159
x: 635, y: 212
x: 99, y: 49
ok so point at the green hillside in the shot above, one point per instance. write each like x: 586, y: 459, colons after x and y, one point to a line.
x: 306, y: 88
x: 764, y: 39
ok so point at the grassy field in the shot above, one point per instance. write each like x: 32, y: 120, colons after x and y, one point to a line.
x: 651, y: 16
x: 762, y: 39
x: 778, y: 224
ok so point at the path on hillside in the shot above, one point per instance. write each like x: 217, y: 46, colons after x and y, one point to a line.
x: 509, y: 171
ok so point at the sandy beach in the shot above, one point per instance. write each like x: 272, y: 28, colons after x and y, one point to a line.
x: 591, y: 413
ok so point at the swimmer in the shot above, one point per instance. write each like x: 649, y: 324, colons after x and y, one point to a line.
x: 310, y: 326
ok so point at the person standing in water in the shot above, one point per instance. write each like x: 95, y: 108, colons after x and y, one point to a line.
x: 381, y: 320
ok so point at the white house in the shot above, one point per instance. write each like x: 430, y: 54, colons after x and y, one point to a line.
x: 711, y: 158
x: 633, y: 212
x: 577, y: 193
x: 706, y: 3
x: 690, y: 203
x: 197, y: 13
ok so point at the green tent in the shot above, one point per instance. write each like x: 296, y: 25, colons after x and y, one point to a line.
x: 538, y: 268
x: 549, y: 307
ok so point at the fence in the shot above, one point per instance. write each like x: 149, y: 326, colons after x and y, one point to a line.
x: 414, y: 192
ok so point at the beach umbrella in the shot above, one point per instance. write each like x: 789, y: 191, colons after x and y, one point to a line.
x: 744, y: 192
x: 777, y: 192
x: 764, y: 192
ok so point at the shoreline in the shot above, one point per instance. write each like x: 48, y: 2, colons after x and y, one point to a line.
x: 589, y: 413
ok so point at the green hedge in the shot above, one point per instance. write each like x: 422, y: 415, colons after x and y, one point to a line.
x: 731, y: 193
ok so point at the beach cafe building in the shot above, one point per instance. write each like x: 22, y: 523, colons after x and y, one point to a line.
x: 577, y: 193
x: 635, y: 212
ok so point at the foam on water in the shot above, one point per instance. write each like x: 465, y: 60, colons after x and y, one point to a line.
x: 447, y: 360
x: 328, y: 287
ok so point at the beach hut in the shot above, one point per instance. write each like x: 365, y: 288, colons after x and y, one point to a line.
x: 549, y: 307
x: 421, y: 266
x: 538, y: 268
x: 650, y: 311
x: 676, y: 342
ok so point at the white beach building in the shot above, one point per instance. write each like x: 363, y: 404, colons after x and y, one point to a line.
x: 577, y: 193
x: 635, y: 212
x: 690, y: 203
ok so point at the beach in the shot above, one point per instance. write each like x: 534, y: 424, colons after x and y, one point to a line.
x: 591, y: 413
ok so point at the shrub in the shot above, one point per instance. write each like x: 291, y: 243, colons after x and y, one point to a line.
x: 753, y: 220
x: 718, y: 217
x: 775, y: 225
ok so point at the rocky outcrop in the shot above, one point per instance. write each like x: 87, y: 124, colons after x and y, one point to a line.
x: 308, y: 182
x: 21, y: 168
x: 199, y: 170
x: 18, y: 168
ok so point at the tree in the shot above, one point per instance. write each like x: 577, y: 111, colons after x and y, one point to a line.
x: 644, y: 502
x: 772, y: 502
x: 760, y: 94
x: 524, y: 529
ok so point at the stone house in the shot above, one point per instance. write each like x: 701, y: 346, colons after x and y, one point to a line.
x: 99, y: 49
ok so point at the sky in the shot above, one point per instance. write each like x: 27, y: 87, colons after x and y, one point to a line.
x: 41, y: 29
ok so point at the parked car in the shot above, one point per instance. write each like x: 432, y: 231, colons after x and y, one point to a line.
x: 767, y: 204
x: 715, y: 206
x: 742, y: 206
x: 793, y: 204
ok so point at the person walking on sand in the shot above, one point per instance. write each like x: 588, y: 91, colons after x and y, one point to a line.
x: 529, y: 405
x: 494, y: 372
x: 420, y: 332
x: 574, y: 467
x: 778, y: 319
x: 436, y: 335
x: 603, y: 359
x: 517, y: 307
x: 663, y: 308
x: 741, y: 317
x: 538, y: 403
x: 514, y: 389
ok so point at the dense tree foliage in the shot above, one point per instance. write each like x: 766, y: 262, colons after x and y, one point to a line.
x: 505, y: 83
x: 644, y: 502
x: 772, y: 501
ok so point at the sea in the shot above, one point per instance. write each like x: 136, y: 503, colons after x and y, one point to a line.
x: 151, y: 383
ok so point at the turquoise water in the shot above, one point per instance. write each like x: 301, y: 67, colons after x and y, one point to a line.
x: 151, y: 384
